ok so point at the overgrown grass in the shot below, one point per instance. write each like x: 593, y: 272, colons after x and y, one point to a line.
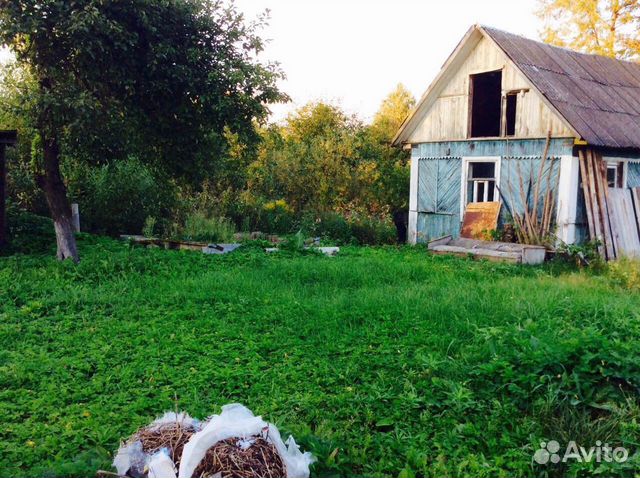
x: 381, y: 361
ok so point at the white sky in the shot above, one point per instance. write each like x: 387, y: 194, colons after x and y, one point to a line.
x: 354, y: 52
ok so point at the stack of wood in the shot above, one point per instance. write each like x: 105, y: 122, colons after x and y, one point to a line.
x: 613, y: 215
x: 534, y: 225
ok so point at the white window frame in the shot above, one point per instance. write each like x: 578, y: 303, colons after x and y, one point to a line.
x: 466, y: 160
x: 615, y: 163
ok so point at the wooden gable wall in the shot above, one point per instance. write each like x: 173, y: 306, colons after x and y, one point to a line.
x: 447, y: 118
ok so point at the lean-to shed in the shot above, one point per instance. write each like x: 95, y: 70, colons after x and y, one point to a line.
x: 481, y: 128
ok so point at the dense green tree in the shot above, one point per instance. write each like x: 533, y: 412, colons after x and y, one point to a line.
x: 163, y: 78
x: 395, y: 108
x: 323, y: 160
x: 310, y: 161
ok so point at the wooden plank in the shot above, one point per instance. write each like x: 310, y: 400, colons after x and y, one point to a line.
x: 440, y: 241
x: 624, y: 218
x: 600, y: 173
x: 479, y: 218
x: 630, y: 225
x: 603, y: 174
x: 595, y: 210
x: 488, y: 254
x: 587, y: 196
x: 635, y: 196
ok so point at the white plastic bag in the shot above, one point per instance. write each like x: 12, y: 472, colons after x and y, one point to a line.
x: 238, y: 421
x: 161, y: 465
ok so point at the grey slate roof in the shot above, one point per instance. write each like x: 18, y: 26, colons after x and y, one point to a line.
x: 598, y: 96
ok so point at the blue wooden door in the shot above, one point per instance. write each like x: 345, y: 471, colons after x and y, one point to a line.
x: 438, y: 198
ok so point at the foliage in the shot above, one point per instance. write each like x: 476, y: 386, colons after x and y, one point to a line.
x: 201, y: 228
x: 395, y: 108
x: 277, y: 217
x: 27, y: 232
x: 311, y: 161
x: 330, y: 225
x: 117, y: 198
x: 603, y: 27
x: 585, y: 254
x: 162, y: 81
x: 372, y: 230
x: 356, y: 229
x: 625, y: 273
x: 149, y: 228
x: 379, y: 360
x: 159, y: 112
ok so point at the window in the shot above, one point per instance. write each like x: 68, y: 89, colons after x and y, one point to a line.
x: 481, y: 182
x: 510, y: 113
x: 615, y: 174
x: 486, y: 104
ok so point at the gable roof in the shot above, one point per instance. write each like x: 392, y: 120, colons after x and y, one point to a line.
x: 598, y: 97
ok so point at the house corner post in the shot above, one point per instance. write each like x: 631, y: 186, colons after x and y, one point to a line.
x: 567, y: 199
x: 412, y: 230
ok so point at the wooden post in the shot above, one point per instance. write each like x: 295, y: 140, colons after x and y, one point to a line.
x: 3, y: 181
x: 75, y: 216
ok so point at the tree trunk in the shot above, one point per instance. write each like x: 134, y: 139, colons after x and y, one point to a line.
x: 56, y: 194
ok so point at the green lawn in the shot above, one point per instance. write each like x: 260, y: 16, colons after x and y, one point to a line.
x: 379, y: 361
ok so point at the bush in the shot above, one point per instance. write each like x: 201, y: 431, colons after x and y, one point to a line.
x: 28, y: 233
x: 199, y: 227
x: 277, y: 217
x: 117, y: 198
x: 625, y: 273
x: 329, y: 225
x: 373, y: 230
x: 360, y: 229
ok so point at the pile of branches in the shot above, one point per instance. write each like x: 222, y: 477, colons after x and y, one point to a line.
x: 172, y: 437
x: 242, y: 458
x: 534, y: 223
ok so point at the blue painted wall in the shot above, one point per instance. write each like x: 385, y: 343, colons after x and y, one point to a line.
x: 440, y: 174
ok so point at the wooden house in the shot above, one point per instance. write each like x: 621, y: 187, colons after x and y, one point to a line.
x: 482, y: 126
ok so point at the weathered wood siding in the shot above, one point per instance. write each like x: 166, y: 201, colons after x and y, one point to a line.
x: 440, y: 176
x: 633, y: 174
x: 447, y: 117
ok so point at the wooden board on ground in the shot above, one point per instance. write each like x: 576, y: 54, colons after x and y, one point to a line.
x: 479, y: 219
x: 623, y: 220
x: 489, y: 250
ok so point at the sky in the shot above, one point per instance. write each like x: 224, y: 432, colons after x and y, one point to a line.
x: 354, y: 52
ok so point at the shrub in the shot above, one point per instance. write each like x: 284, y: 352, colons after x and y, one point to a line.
x: 625, y: 273
x: 328, y: 225
x: 359, y: 229
x: 149, y: 228
x: 372, y: 230
x: 199, y: 227
x: 277, y: 217
x: 118, y: 197
x: 28, y: 233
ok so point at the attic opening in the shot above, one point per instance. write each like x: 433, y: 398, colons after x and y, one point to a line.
x: 486, y: 104
x: 510, y: 113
